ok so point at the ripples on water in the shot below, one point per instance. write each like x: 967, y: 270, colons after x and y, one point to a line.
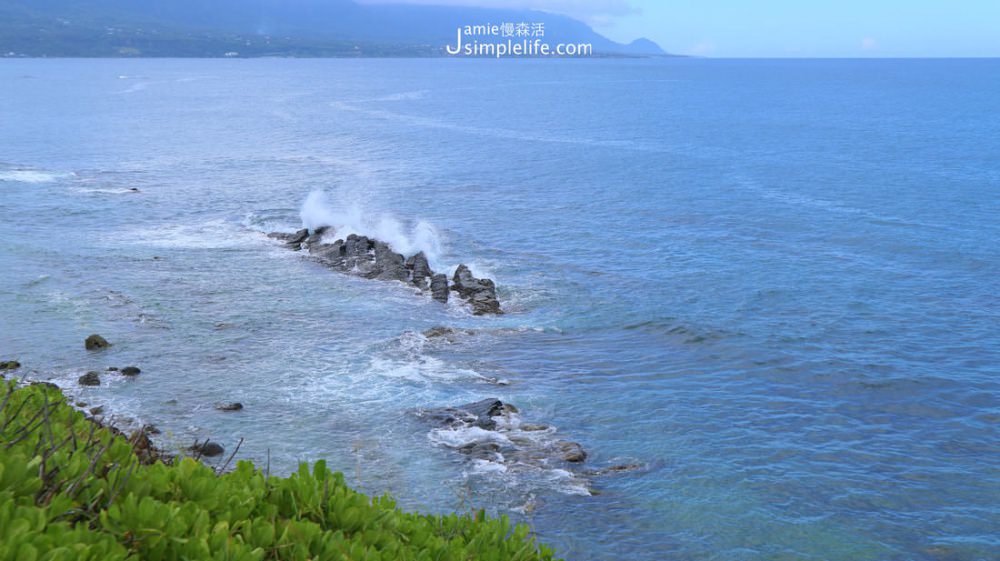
x: 772, y: 285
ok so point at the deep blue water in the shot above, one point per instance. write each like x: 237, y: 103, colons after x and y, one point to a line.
x: 773, y: 284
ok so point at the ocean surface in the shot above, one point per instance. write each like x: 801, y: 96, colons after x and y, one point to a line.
x: 772, y: 285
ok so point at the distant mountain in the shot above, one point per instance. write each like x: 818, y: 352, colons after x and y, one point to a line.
x: 265, y: 27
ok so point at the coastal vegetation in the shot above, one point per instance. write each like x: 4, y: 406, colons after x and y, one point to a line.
x: 72, y: 489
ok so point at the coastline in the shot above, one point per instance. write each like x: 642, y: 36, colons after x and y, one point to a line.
x: 76, y: 486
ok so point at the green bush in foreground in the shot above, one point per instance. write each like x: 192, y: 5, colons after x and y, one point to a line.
x: 70, y: 490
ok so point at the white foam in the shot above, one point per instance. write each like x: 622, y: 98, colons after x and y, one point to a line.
x: 32, y: 176
x: 404, y: 96
x: 345, y: 219
x: 214, y: 234
x: 488, y: 467
x: 462, y: 436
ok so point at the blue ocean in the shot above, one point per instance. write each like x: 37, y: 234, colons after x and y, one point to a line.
x: 770, y: 289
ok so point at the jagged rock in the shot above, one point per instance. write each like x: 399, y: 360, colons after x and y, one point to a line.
x: 439, y: 287
x: 420, y: 270
x: 112, y: 369
x: 130, y: 371
x: 10, y: 365
x: 571, y: 451
x: 95, y: 342
x: 374, y: 259
x: 479, y: 414
x: 90, y: 379
x: 229, y: 406
x: 208, y: 449
x: 151, y: 429
x: 531, y: 427
x: 293, y: 241
x: 316, y: 236
x: 389, y: 265
x: 480, y: 293
x: 97, y: 410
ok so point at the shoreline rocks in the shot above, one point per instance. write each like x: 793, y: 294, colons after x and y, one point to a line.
x: 10, y: 365
x: 91, y: 378
x: 374, y: 259
x: 481, y: 293
x: 491, y: 433
x: 95, y: 342
x: 207, y: 449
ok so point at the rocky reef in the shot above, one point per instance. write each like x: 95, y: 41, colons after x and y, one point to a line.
x: 493, y: 435
x: 374, y: 259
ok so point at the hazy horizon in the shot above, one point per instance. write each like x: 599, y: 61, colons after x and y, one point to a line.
x: 782, y: 28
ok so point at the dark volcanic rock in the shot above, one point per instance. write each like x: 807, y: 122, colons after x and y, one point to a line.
x: 481, y: 293
x: 90, y: 379
x: 439, y: 287
x: 207, y: 449
x: 362, y: 256
x: 130, y: 371
x: 10, y: 365
x: 389, y: 265
x: 112, y: 369
x: 97, y: 410
x: 492, y: 432
x: 374, y: 259
x: 229, y: 406
x: 479, y: 414
x: 420, y: 270
x: 94, y: 342
x: 293, y: 241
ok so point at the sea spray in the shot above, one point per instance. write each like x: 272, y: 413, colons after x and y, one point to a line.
x: 318, y: 210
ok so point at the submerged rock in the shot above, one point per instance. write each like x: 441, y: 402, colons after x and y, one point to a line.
x: 571, y: 451
x: 491, y: 434
x: 10, y: 365
x: 90, y: 379
x: 480, y: 293
x: 95, y: 342
x: 229, y: 406
x: 130, y: 371
x: 447, y: 332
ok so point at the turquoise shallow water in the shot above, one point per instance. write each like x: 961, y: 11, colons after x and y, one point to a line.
x: 773, y: 284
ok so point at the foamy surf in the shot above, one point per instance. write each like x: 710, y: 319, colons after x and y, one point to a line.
x: 32, y: 176
x: 345, y: 219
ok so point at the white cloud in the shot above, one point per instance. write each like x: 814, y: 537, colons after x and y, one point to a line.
x: 596, y: 12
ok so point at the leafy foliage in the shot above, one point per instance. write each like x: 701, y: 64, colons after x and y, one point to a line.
x: 71, y: 490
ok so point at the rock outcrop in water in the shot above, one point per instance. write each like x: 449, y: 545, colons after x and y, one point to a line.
x: 493, y: 432
x: 374, y: 259
x: 95, y: 342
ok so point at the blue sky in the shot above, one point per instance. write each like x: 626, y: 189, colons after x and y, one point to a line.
x: 787, y: 28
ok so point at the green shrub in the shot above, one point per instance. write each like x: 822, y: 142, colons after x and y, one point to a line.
x: 71, y: 490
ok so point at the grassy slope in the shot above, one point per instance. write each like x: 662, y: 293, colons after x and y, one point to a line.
x: 70, y: 490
